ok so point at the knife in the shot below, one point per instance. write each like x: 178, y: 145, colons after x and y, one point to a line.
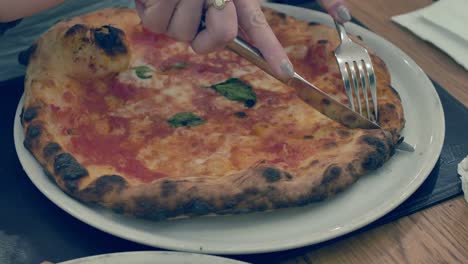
x: 310, y: 94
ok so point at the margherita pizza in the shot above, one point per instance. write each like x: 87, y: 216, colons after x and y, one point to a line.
x: 139, y: 123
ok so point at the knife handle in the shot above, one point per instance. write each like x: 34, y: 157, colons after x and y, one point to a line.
x: 250, y: 53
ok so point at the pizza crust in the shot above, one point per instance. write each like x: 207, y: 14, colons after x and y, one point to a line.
x: 260, y: 187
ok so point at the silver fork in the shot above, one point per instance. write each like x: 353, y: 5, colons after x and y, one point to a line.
x: 350, y: 55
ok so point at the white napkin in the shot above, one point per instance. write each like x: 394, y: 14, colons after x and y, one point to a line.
x: 463, y: 172
x: 445, y: 24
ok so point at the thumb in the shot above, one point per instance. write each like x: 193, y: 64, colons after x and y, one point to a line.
x: 337, y: 9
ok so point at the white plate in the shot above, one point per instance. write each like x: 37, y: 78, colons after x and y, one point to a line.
x: 370, y: 198
x: 152, y: 257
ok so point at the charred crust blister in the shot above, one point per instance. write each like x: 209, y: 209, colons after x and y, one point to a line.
x: 33, y: 132
x: 198, y: 207
x: 281, y: 15
x: 108, y: 183
x: 30, y: 113
x: 271, y: 174
x: 25, y: 56
x: 66, y: 166
x: 322, y: 41
x: 325, y: 101
x: 375, y: 159
x: 110, y: 40
x: 168, y: 188
x: 332, y: 173
x: 51, y: 149
x: 76, y: 29
x: 343, y: 133
x: 240, y: 114
x: 390, y: 106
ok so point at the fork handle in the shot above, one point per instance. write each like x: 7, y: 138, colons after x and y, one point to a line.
x: 341, y: 31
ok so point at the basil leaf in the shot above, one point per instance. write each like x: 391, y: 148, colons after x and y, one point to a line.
x: 142, y: 72
x: 185, y: 119
x: 236, y: 90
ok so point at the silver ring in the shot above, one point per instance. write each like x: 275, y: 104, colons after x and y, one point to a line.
x: 218, y: 4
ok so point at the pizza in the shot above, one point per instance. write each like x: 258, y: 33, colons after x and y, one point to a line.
x: 138, y: 123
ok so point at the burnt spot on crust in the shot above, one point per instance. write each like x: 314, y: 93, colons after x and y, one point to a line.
x: 314, y: 162
x: 109, y: 39
x: 343, y: 133
x: 251, y: 191
x: 30, y: 113
x: 118, y: 208
x: 51, y: 149
x: 325, y: 102
x: 394, y: 91
x: 76, y: 29
x: 308, y: 137
x: 330, y: 145
x: 376, y: 158
x: 312, y: 23
x: 198, y: 206
x: 281, y: 15
x: 322, y: 41
x: 271, y: 174
x: 240, y: 114
x: 32, y: 133
x: 25, y: 56
x: 390, y: 106
x: 168, y: 188
x: 67, y: 167
x: 108, y: 183
x: 331, y: 173
x: 352, y: 171
x: 147, y: 207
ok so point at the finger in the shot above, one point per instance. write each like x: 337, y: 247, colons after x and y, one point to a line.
x: 185, y: 20
x: 221, y: 28
x: 156, y: 14
x: 253, y: 22
x: 337, y: 9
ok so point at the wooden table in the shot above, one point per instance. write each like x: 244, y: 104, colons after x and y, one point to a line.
x: 435, y: 235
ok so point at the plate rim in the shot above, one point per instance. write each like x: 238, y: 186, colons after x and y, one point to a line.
x: 151, y: 253
x: 175, y: 244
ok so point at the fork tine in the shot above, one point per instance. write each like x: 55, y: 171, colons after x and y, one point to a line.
x: 373, y: 88
x: 364, y: 86
x: 346, y: 83
x: 352, y: 69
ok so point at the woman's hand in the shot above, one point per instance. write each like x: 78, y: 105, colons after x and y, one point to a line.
x: 12, y: 10
x: 337, y: 9
x: 180, y: 19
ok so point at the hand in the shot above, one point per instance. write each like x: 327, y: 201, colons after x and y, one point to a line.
x: 337, y: 9
x: 180, y: 19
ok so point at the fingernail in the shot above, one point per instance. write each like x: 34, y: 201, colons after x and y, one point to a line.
x: 287, y: 68
x: 343, y: 13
